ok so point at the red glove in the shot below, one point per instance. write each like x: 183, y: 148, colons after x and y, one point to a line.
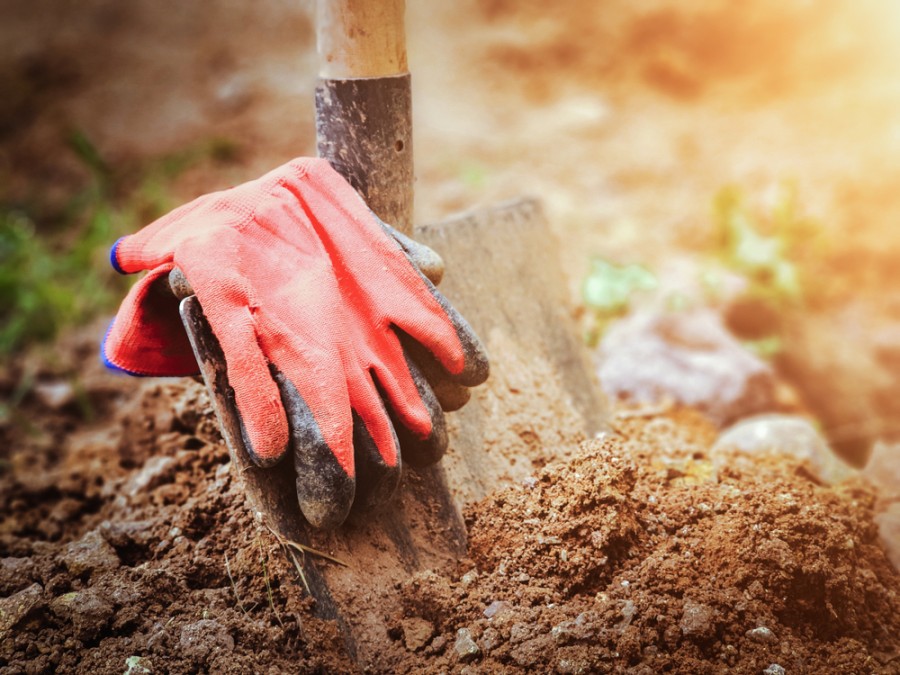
x: 305, y: 291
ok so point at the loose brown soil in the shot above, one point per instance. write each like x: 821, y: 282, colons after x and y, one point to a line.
x: 128, y: 537
x: 122, y: 531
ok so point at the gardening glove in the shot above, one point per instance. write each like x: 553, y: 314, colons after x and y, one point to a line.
x: 312, y: 301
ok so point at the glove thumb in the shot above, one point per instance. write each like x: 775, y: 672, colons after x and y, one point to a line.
x: 147, y: 336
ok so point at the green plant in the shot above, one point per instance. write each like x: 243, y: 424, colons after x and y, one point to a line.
x: 764, y: 246
x: 608, y: 292
x: 54, y: 266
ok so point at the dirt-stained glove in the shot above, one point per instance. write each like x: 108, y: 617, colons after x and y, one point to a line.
x: 312, y: 301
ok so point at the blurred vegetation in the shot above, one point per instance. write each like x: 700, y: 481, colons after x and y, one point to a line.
x: 54, y: 264
x: 608, y: 292
x: 775, y: 251
x: 765, y: 261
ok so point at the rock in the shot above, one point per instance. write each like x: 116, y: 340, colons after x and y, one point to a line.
x: 138, y: 665
x: 496, y: 607
x: 155, y: 471
x: 774, y: 669
x: 88, y: 611
x: 416, y: 633
x: 55, y: 395
x: 761, y: 634
x: 628, y: 611
x: 883, y: 469
x: 783, y: 434
x: 90, y: 554
x: 205, y: 639
x: 15, y: 573
x: 465, y: 647
x: 697, y: 620
x: 888, y: 522
x: 687, y: 357
x: 16, y: 607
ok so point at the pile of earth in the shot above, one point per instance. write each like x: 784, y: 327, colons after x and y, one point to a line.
x: 642, y: 555
x: 126, y: 546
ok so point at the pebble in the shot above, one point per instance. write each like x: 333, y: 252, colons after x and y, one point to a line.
x: 90, y: 554
x: 16, y: 607
x: 689, y: 357
x: 791, y: 435
x: 138, y: 665
x: 152, y: 474
x: 466, y: 648
x: 55, y: 395
x: 416, y: 633
x: 469, y: 577
x: 88, y: 611
x: 761, y: 634
x: 697, y: 620
x: 496, y: 607
x: 774, y: 669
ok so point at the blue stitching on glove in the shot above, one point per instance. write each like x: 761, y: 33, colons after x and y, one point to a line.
x: 114, y: 258
x: 109, y: 364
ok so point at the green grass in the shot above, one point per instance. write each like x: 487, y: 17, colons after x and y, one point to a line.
x: 54, y: 264
x: 608, y: 292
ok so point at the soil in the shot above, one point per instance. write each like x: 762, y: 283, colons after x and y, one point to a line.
x: 125, y: 544
x: 128, y: 538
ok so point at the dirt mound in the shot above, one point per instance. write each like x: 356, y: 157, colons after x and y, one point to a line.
x: 637, y: 556
x: 126, y: 546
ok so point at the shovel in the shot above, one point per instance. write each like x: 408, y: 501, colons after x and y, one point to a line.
x: 502, y: 273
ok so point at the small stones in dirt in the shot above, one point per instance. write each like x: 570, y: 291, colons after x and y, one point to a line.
x: 55, y: 395
x: 697, y: 620
x: 91, y: 553
x: 87, y: 611
x: 791, y: 435
x: 16, y: 607
x: 774, y: 669
x: 466, y: 648
x: 689, y: 357
x: 138, y: 665
x: 761, y: 634
x: 154, y: 472
x: 495, y: 608
x: 205, y: 639
x: 416, y: 633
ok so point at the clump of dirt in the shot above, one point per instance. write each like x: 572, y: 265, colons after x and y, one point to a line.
x: 126, y: 545
x: 638, y: 556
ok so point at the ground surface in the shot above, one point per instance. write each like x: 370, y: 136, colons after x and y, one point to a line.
x: 122, y: 533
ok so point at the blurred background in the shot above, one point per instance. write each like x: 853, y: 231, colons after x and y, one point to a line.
x: 736, y: 157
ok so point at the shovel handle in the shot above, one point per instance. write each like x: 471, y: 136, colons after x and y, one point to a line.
x: 364, y: 104
x: 361, y: 38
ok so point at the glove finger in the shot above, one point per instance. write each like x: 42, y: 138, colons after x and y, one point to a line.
x: 423, y: 257
x: 325, y: 490
x: 377, y: 478
x: 414, y: 411
x: 256, y: 395
x: 475, y: 367
x: 147, y: 336
x: 450, y: 395
x: 153, y: 245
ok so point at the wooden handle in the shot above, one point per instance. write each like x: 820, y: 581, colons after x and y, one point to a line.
x: 361, y: 38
